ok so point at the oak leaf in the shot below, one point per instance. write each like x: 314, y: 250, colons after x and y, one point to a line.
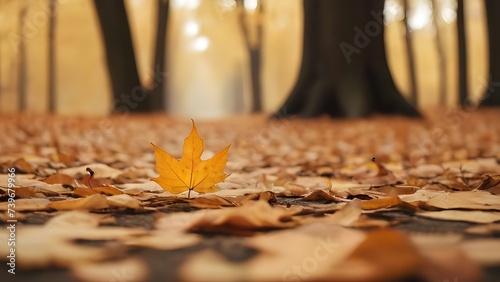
x: 190, y: 172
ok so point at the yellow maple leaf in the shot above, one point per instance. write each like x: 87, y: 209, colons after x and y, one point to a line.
x: 190, y: 172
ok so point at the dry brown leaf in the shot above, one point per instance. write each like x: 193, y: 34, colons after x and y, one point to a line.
x: 486, y: 229
x: 53, y: 243
x: 307, y: 253
x: 125, y: 201
x: 34, y: 192
x: 488, y: 183
x: 390, y: 255
x: 380, y: 203
x: 34, y: 204
x: 479, y: 200
x: 252, y: 216
x: 106, y: 190
x: 92, y: 202
x: 211, y: 202
x: 100, y: 171
x: 130, y: 269
x: 348, y: 215
x: 321, y: 195
x: 164, y: 240
x: 458, y: 215
x: 22, y: 166
x: 394, y: 190
x: 61, y: 178
x: 484, y: 251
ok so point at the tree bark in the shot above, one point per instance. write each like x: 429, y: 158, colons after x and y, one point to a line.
x: 52, y: 57
x: 411, y: 58
x: 128, y: 93
x: 251, y: 27
x: 21, y: 80
x: 159, y: 88
x: 492, y: 93
x: 443, y: 72
x: 344, y: 71
x: 462, y: 55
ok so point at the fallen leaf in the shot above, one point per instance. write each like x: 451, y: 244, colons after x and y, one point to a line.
x: 380, y: 203
x: 130, y: 269
x: 480, y: 200
x: 390, y: 255
x: 34, y: 204
x: 484, y: 251
x: 348, y: 215
x: 92, y: 202
x: 106, y: 190
x: 60, y: 178
x: 100, y: 170
x: 164, y: 240
x: 22, y: 166
x: 458, y: 215
x: 124, y: 200
x: 311, y: 252
x: 33, y: 192
x: 190, y: 172
x: 211, y: 202
x: 250, y: 217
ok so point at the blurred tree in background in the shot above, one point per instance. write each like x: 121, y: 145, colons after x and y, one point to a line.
x: 344, y: 71
x: 128, y: 92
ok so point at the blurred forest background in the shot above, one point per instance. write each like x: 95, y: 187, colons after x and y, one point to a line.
x: 53, y: 56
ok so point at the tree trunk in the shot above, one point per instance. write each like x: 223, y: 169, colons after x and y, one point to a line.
x: 128, y: 93
x: 159, y: 86
x: 492, y: 95
x: 21, y: 80
x: 443, y: 72
x: 344, y: 71
x: 462, y: 55
x: 411, y: 58
x: 251, y: 27
x: 52, y: 57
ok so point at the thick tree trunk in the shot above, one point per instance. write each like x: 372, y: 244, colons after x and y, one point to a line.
x: 128, y: 93
x: 344, y: 71
x: 462, y: 55
x: 492, y: 95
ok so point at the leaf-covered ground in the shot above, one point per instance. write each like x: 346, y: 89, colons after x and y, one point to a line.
x: 386, y: 198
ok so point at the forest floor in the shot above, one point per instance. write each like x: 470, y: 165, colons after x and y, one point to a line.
x: 379, y: 199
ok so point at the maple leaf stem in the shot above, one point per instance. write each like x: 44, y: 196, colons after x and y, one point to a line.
x: 189, y: 193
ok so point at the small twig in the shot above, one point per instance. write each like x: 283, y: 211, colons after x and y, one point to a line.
x: 91, y: 172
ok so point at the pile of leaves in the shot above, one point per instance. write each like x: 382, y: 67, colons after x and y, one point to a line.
x: 361, y: 200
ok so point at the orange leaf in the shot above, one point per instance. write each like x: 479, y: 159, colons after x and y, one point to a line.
x: 380, y: 203
x: 190, y: 172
